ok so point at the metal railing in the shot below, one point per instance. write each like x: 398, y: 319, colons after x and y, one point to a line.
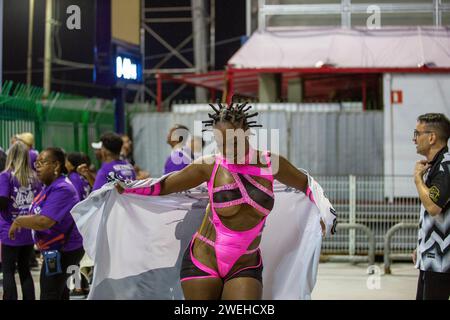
x: 388, y: 257
x: 378, y: 204
x: 352, y: 258
x: 347, y: 9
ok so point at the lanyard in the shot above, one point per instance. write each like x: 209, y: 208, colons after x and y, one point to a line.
x: 38, y: 200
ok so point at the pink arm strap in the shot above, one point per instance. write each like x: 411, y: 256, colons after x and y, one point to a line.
x: 153, y: 190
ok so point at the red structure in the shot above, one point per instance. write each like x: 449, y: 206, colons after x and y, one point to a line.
x: 334, y: 64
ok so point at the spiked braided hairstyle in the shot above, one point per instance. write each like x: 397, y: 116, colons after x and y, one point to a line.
x: 231, y: 113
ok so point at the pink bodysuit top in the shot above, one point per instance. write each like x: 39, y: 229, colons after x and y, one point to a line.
x: 230, y: 245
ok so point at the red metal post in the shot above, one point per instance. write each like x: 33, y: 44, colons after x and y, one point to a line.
x: 364, y: 92
x: 212, y: 95
x: 230, y: 85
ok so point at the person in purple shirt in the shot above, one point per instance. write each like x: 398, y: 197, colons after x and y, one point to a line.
x: 33, y: 157
x: 18, y: 187
x: 180, y: 155
x: 53, y: 225
x: 73, y: 161
x: 28, y: 139
x: 111, y: 145
x: 81, y: 184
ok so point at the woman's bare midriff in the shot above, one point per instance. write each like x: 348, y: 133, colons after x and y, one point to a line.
x: 237, y: 218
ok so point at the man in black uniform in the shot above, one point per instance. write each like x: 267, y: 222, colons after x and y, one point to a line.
x: 432, y: 179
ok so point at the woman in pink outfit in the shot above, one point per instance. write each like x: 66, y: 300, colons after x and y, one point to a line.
x: 223, y: 260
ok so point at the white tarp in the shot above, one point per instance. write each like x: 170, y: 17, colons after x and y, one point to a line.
x: 389, y: 47
x: 137, y: 242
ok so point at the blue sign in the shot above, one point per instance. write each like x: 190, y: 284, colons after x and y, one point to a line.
x: 116, y: 63
x: 127, y: 69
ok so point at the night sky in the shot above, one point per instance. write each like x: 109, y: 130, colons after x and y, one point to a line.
x: 78, y: 45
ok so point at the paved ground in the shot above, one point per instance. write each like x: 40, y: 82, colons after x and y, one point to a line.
x: 344, y: 281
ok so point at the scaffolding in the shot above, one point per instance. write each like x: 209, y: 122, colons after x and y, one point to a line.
x: 202, y: 25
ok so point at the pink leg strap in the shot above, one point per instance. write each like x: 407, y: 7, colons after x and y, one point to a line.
x: 246, y: 268
x: 200, y: 265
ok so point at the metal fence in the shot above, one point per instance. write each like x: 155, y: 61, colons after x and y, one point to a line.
x: 66, y: 121
x: 363, y: 195
x: 367, y: 200
x: 325, y: 143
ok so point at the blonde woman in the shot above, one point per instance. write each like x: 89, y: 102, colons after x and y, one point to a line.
x: 18, y: 187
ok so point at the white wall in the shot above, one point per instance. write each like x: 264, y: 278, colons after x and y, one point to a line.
x: 422, y: 93
x: 324, y: 143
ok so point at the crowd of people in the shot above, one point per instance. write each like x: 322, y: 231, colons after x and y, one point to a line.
x: 37, y: 193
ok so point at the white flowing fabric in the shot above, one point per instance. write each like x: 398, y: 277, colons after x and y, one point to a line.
x: 137, y: 242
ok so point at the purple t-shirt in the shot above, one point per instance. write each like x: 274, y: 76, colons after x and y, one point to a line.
x: 33, y: 156
x: 20, y: 199
x: 177, y: 160
x: 55, y: 202
x: 122, y: 168
x: 81, y: 185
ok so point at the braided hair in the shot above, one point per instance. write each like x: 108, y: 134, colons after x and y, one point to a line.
x: 231, y: 113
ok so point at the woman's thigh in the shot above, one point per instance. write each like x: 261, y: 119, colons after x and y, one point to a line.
x: 202, y: 289
x: 244, y: 288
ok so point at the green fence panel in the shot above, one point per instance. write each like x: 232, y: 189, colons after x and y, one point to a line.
x: 66, y: 121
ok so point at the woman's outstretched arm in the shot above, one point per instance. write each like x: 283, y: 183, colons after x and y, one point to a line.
x: 189, y: 177
x: 287, y: 174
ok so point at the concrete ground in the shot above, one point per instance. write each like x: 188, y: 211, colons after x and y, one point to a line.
x: 344, y: 281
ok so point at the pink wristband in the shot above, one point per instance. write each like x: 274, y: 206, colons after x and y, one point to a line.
x: 153, y: 190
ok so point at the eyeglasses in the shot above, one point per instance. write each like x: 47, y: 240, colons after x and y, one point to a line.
x: 417, y: 133
x: 41, y: 163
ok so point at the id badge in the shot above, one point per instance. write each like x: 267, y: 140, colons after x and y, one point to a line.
x: 52, y: 261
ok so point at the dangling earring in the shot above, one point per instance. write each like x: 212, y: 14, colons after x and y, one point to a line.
x: 55, y: 172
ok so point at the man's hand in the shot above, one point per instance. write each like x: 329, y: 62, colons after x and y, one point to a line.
x: 420, y: 169
x: 83, y: 169
x: 119, y: 188
x: 414, y: 256
x: 324, y: 229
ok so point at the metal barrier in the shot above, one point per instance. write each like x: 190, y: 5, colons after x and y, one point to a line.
x: 371, y: 255
x: 388, y: 257
x: 368, y: 200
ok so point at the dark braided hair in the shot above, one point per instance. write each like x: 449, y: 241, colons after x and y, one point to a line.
x: 231, y: 113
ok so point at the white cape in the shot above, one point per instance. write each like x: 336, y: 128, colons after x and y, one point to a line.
x: 137, y: 242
